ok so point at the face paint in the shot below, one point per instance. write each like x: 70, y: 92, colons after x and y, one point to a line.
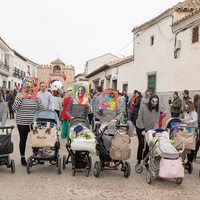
x: 147, y: 95
x: 154, y: 102
x: 187, y: 108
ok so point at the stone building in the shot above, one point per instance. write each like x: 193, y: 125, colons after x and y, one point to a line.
x: 54, y: 71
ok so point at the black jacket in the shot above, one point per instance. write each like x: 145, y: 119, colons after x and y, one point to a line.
x: 135, y: 110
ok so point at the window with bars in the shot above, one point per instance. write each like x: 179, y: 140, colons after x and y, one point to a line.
x: 195, y: 34
x: 152, y: 40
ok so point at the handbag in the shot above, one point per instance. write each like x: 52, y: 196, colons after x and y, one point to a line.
x: 6, y: 146
x: 171, y: 168
x: 43, y: 137
x: 119, y: 149
x: 189, y: 140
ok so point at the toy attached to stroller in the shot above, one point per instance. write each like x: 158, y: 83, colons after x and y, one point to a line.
x: 80, y: 143
x: 164, y: 160
x: 6, y: 147
x: 45, y: 140
x: 113, y: 148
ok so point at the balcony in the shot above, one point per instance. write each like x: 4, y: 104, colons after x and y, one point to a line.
x: 4, y: 66
x: 16, y: 72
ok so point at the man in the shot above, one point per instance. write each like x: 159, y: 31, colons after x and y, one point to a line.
x: 175, y: 105
x: 45, y: 96
x: 145, y: 99
x: 186, y: 98
x: 126, y: 96
x: 130, y: 104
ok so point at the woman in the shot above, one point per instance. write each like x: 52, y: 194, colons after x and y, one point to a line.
x: 11, y: 99
x: 196, y: 100
x: 57, y: 105
x: 3, y: 111
x: 147, y: 120
x: 136, y: 107
x: 63, y: 115
x: 26, y: 109
x: 190, y: 118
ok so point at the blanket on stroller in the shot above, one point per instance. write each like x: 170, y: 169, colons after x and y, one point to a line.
x: 83, y: 142
x: 163, y: 147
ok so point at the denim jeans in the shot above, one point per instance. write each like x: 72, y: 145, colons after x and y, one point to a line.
x: 129, y: 113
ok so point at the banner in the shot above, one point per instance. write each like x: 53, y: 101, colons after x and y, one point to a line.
x: 29, y: 87
x: 81, y: 93
x: 109, y: 100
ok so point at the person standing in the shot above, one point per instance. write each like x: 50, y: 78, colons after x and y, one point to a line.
x: 196, y: 100
x: 136, y: 108
x: 126, y: 96
x: 190, y: 118
x: 148, y: 117
x: 130, y: 104
x: 3, y: 111
x: 122, y: 105
x: 175, y: 105
x: 145, y: 99
x: 45, y: 96
x: 56, y: 102
x: 186, y: 98
x: 26, y: 109
x: 63, y: 115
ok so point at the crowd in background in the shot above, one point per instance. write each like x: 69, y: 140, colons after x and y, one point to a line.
x: 142, y: 111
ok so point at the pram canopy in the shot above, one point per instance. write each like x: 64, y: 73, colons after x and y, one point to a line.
x: 47, y: 115
x: 78, y: 120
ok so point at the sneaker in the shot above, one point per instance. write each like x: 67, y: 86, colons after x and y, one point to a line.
x: 146, y: 166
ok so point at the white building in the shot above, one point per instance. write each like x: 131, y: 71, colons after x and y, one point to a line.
x: 97, y: 65
x: 80, y: 79
x: 14, y: 67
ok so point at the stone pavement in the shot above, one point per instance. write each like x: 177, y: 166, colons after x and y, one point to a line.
x: 45, y: 183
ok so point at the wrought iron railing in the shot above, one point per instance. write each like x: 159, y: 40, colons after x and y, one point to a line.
x: 4, y: 66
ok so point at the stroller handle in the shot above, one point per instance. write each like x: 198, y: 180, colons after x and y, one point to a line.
x: 195, y: 127
x: 7, y: 127
x: 122, y: 126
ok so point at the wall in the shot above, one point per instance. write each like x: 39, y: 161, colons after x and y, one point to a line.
x: 98, y: 62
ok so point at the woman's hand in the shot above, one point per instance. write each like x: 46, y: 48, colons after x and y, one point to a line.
x: 37, y: 97
x: 21, y: 97
x: 100, y: 108
x: 114, y: 120
x: 87, y: 103
x: 143, y: 133
x: 188, y: 123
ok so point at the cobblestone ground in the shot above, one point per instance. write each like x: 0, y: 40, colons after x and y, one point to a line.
x: 45, y: 183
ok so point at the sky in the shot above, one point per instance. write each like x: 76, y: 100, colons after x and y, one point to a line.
x: 74, y: 30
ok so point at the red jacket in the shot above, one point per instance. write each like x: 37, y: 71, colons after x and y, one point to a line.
x: 65, y: 104
x: 132, y: 101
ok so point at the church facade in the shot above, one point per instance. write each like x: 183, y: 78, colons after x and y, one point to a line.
x: 54, y: 71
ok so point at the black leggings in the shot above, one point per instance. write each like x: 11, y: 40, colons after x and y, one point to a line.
x: 23, y: 133
x: 141, y: 145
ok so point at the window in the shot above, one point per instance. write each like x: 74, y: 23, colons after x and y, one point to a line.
x: 195, y: 34
x: 152, y: 40
x: 152, y: 83
x: 9, y: 83
x: 102, y: 83
x: 57, y: 69
x: 28, y: 69
x: 125, y: 87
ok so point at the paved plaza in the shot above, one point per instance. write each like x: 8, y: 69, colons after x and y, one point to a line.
x: 44, y: 182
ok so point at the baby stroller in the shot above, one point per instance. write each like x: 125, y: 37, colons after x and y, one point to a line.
x: 105, y: 155
x: 79, y: 148
x: 45, y: 140
x: 164, y: 160
x: 189, y: 135
x: 6, y: 147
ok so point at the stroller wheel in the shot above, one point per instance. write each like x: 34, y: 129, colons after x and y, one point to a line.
x: 59, y: 165
x: 179, y: 180
x: 64, y: 161
x: 127, y: 171
x: 12, y: 164
x: 149, y: 177
x: 90, y: 162
x: 29, y: 165
x: 88, y: 165
x: 190, y: 168
x: 138, y: 168
x: 97, y: 169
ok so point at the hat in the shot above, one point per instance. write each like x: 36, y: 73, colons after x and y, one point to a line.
x: 78, y: 128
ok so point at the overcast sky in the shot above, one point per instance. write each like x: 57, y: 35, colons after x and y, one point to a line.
x: 74, y: 30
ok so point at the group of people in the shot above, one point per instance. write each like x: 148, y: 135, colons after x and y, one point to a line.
x: 143, y: 112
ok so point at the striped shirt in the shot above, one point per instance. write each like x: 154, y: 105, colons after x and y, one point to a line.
x: 26, y: 109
